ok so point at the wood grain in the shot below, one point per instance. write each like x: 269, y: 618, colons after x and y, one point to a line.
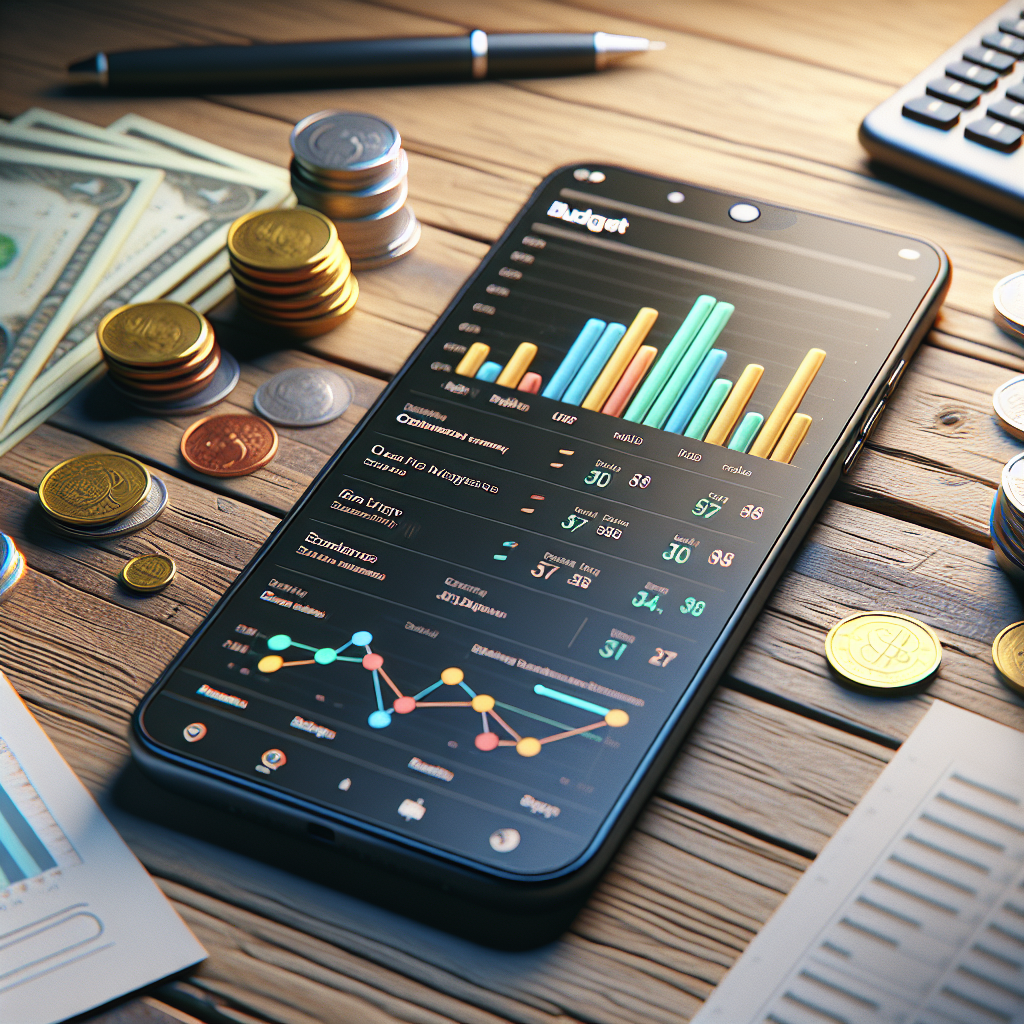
x: 757, y: 98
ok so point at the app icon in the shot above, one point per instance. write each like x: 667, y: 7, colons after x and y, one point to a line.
x: 505, y: 840
x: 195, y: 732
x: 273, y: 758
x: 412, y: 810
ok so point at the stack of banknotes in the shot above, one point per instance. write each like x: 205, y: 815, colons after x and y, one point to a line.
x: 93, y: 218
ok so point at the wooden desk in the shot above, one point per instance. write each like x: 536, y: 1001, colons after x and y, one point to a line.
x: 763, y: 98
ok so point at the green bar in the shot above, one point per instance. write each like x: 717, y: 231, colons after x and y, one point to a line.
x: 674, y: 351
x: 694, y: 356
x: 744, y: 434
x: 708, y: 409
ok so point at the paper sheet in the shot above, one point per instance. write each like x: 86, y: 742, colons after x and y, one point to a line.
x: 81, y: 922
x: 914, y: 911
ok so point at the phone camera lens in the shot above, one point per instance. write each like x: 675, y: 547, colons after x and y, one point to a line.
x: 744, y: 212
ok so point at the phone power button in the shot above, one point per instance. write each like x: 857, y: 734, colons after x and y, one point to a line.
x: 862, y: 437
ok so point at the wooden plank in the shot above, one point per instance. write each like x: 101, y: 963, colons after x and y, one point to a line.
x: 209, y: 536
x: 683, y: 898
x: 857, y: 560
x: 855, y: 39
x: 101, y: 415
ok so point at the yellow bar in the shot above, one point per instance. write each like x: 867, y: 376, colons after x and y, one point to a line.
x: 788, y: 403
x: 726, y: 419
x: 792, y: 438
x: 620, y: 359
x: 517, y: 365
x: 473, y: 359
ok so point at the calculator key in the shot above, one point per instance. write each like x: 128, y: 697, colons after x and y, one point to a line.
x: 960, y: 93
x: 931, y: 111
x: 973, y: 74
x: 1016, y: 92
x: 1005, y: 44
x: 1008, y: 111
x: 989, y: 58
x: 1015, y: 28
x: 994, y: 134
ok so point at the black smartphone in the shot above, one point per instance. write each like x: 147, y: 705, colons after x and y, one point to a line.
x: 468, y: 652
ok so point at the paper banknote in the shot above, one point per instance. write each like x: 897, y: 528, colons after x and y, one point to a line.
x: 180, y: 235
x: 63, y: 220
x: 139, y: 128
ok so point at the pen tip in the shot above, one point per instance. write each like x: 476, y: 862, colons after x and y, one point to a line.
x: 91, y: 71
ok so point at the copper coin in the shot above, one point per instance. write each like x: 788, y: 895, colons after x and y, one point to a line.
x: 232, y: 444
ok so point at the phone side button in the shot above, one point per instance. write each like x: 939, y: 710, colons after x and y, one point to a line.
x: 894, y: 379
x: 872, y: 420
x: 852, y: 457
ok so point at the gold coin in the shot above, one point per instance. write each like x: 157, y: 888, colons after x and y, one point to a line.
x: 335, y: 262
x: 148, y: 573
x: 1008, y: 655
x: 90, y: 490
x: 153, y: 333
x: 282, y: 239
x: 885, y: 651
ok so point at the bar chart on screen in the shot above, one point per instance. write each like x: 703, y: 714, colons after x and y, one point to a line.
x: 683, y: 387
x: 32, y: 845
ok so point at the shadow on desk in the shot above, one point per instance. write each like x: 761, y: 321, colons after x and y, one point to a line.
x: 135, y: 793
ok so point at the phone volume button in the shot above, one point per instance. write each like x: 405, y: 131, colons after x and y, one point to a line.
x: 872, y: 420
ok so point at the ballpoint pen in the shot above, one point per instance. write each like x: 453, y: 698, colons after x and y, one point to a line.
x: 270, y: 66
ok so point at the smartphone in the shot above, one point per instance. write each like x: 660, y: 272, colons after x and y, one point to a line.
x: 466, y: 655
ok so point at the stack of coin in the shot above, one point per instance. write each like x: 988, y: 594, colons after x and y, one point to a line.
x: 164, y: 357
x: 353, y: 168
x: 1006, y: 523
x: 1008, y: 656
x: 291, y: 270
x: 1008, y: 298
x: 101, y: 495
x: 12, y: 566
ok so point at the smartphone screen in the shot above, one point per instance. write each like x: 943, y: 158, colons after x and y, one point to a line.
x: 479, y: 623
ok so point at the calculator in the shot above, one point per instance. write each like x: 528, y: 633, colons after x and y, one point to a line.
x: 961, y: 121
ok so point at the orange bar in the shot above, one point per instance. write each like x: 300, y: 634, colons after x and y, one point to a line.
x: 530, y: 383
x: 730, y: 413
x: 630, y: 380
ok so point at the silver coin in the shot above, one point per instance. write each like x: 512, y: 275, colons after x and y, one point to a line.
x: 344, y: 141
x: 395, y: 250
x: 338, y: 204
x: 303, y: 397
x: 1008, y: 404
x: 224, y: 379
x: 138, y: 520
x: 1008, y: 298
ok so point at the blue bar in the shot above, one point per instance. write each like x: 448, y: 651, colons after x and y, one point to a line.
x: 573, y: 360
x: 576, y: 702
x: 594, y: 364
x: 695, y: 391
x: 489, y: 372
